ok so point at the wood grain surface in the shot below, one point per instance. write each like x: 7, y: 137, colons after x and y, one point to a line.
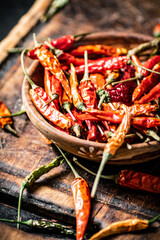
x: 51, y: 197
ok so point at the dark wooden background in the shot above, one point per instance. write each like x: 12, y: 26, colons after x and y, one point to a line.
x: 51, y: 196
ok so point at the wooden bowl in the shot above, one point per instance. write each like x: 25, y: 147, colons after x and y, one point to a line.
x: 93, y: 151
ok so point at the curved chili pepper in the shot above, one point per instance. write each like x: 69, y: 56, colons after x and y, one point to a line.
x: 146, y: 84
x: 153, y: 94
x: 77, y: 99
x: 63, y: 43
x: 103, y: 64
x: 150, y: 63
x: 49, y: 112
x: 99, y: 50
x: 52, y: 87
x: 49, y: 61
x: 113, y: 145
x: 129, y: 225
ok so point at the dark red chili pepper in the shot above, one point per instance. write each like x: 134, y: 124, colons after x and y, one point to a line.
x: 103, y: 64
x: 92, y: 133
x: 52, y: 87
x: 122, y: 92
x: 64, y: 43
x: 99, y: 50
x: 139, y: 181
x: 146, y: 84
x: 49, y: 61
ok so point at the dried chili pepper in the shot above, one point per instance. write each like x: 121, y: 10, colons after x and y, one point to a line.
x: 131, y: 179
x: 82, y: 201
x: 76, y: 124
x: 103, y: 64
x: 137, y: 63
x: 149, y: 64
x: 98, y: 80
x: 146, y: 84
x: 147, y: 122
x: 5, y: 119
x: 52, y: 87
x: 77, y: 100
x: 153, y: 94
x: 49, y: 61
x: 113, y: 145
x: 40, y: 98
x: 98, y: 50
x: 129, y: 225
x: 43, y: 224
x: 36, y: 174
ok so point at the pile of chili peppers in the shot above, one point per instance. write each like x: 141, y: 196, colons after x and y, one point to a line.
x: 110, y: 95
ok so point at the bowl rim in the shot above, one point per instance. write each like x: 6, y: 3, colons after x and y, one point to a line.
x: 42, y: 122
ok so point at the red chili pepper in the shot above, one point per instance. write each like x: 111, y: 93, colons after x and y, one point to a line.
x: 103, y: 64
x: 63, y: 43
x: 153, y: 94
x: 49, y: 112
x: 52, y: 87
x: 49, y: 61
x: 98, y: 49
x: 122, y: 92
x: 146, y: 122
x: 150, y: 63
x: 136, y: 61
x: 146, y: 84
x: 92, y: 133
x: 139, y: 181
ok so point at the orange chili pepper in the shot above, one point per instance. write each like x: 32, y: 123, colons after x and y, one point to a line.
x: 49, y: 61
x: 98, y: 49
x: 77, y: 99
x: 114, y: 143
x: 98, y: 80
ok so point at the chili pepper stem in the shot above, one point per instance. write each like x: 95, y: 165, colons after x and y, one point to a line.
x: 15, y: 50
x: 57, y: 52
x: 105, y: 158
x: 28, y: 223
x: 109, y: 177
x: 54, y: 96
x: 11, y: 130
x: 33, y: 85
x: 101, y: 101
x: 126, y: 80
x: 15, y: 114
x: 153, y: 134
x: 153, y: 219
x: 69, y: 163
x: 23, y: 186
x: 81, y: 35
x: 147, y: 69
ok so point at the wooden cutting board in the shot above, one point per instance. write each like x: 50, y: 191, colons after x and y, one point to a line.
x: 51, y: 195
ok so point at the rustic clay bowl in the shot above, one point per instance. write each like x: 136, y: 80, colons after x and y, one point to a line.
x: 140, y: 152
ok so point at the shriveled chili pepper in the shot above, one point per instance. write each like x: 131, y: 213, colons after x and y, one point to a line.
x: 36, y: 174
x: 82, y: 201
x: 114, y: 143
x: 137, y: 62
x: 146, y: 84
x: 101, y: 115
x: 49, y: 61
x: 153, y: 94
x: 103, y: 64
x: 52, y: 87
x: 98, y: 50
x: 150, y: 63
x: 40, y: 98
x: 147, y: 122
x: 138, y: 109
x: 77, y: 99
x: 129, y: 225
x: 5, y: 119
x: 98, y: 80
x: 51, y: 226
x: 131, y: 179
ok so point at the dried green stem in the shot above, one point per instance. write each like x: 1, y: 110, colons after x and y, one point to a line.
x: 22, y: 111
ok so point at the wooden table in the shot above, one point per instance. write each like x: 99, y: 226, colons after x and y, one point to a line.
x: 51, y: 197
